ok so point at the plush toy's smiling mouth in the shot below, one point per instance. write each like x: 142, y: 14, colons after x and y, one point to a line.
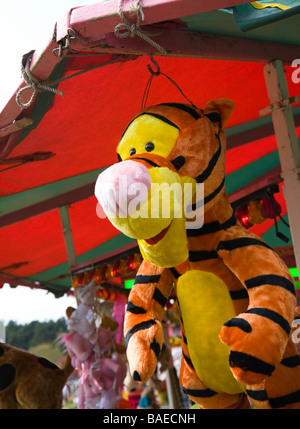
x: 157, y: 237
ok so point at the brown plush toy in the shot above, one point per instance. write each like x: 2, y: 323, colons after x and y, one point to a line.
x: 236, y: 296
x: 30, y: 382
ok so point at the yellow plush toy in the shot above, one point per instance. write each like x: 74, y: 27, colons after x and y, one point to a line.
x: 236, y: 296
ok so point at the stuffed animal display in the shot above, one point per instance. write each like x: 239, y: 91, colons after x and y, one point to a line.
x: 30, y: 382
x: 94, y: 352
x: 236, y: 296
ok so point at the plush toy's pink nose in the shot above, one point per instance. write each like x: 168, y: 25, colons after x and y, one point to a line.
x: 123, y: 187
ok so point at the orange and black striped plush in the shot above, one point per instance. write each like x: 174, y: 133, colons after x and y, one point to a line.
x: 236, y: 296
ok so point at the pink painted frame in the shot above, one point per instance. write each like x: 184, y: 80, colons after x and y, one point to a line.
x: 86, y: 19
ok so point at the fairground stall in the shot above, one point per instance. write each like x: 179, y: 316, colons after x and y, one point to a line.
x: 60, y: 129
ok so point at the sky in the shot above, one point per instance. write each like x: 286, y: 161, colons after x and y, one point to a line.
x: 26, y: 25
x: 23, y: 305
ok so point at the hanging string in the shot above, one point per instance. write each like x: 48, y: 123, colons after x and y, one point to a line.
x: 127, y: 29
x: 157, y: 73
x: 270, y: 194
x: 146, y: 92
x: 279, y: 234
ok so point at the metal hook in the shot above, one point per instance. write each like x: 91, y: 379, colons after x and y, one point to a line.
x: 62, y: 46
x: 154, y: 73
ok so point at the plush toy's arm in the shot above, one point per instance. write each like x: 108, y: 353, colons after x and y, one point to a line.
x: 258, y: 337
x: 142, y: 324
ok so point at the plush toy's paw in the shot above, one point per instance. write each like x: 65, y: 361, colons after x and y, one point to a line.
x: 256, y: 344
x: 144, y: 344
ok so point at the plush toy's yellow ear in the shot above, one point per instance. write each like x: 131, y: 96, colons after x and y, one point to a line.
x: 222, y: 106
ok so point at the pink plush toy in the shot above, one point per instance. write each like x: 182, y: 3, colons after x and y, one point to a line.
x: 79, y: 348
x: 118, y: 315
x: 91, y: 348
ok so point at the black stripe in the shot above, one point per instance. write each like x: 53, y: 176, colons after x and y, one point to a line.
x: 214, y: 117
x: 214, y: 193
x: 271, y: 315
x: 240, y: 323
x: 162, y: 118
x: 183, y: 107
x: 199, y: 393
x: 149, y: 161
x: 132, y: 308
x: 236, y: 243
x: 207, y: 199
x: 178, y: 162
x: 257, y: 395
x: 155, y: 347
x: 143, y: 279
x: 180, y: 317
x: 282, y: 401
x: 159, y: 297
x: 212, y: 227
x: 228, y: 223
x: 249, y: 363
x: 270, y: 279
x: 211, y: 165
x: 291, y: 362
x: 202, y: 255
x: 238, y: 294
x: 188, y: 360
x: 175, y: 273
x: 138, y: 327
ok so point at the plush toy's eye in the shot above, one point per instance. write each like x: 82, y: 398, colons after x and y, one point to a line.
x: 149, y: 147
x: 132, y: 151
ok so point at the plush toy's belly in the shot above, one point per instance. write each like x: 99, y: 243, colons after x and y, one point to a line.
x: 205, y: 306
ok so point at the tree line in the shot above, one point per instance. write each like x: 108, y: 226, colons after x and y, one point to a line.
x: 34, y: 333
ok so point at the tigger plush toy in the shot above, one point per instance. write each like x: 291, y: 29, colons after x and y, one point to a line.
x: 236, y: 296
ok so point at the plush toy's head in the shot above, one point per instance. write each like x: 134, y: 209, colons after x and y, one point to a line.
x: 30, y: 382
x: 164, y: 152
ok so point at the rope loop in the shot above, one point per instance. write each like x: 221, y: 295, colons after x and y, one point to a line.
x: 32, y: 83
x: 127, y: 29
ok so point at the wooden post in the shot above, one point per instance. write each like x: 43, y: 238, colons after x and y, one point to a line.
x: 65, y: 220
x: 287, y: 143
x: 172, y: 382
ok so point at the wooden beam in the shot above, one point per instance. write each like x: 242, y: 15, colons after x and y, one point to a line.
x: 288, y: 146
x: 67, y: 198
x: 32, y: 202
x: 254, y: 134
x: 269, y: 178
x: 14, y: 281
x: 15, y: 126
x: 186, y: 43
x: 118, y: 253
x: 87, y: 20
x: 67, y: 231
